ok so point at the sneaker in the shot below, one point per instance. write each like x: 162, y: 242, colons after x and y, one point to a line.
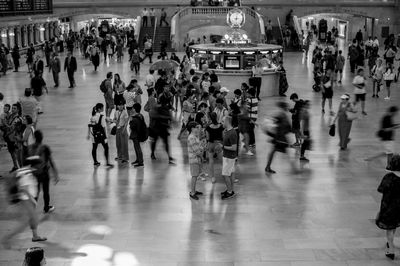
x: 236, y: 180
x: 323, y: 111
x: 135, y: 162
x: 364, y: 113
x: 110, y: 165
x: 198, y: 193
x: 117, y: 159
x: 377, y: 96
x: 228, y: 195
x: 304, y: 159
x: 387, y: 98
x: 249, y: 153
x: 138, y: 165
x: 269, y: 170
x: 171, y: 160
x: 193, y: 196
x: 373, y: 96
x: 224, y: 192
x: 49, y: 209
x: 96, y: 164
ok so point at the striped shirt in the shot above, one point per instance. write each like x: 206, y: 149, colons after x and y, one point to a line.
x: 252, y: 105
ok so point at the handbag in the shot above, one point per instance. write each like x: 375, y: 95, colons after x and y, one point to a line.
x: 351, y: 115
x: 113, y: 130
x: 332, y: 130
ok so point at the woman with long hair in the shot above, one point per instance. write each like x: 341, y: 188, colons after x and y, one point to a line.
x: 388, y: 77
x: 118, y: 88
x: 98, y: 134
x: 214, y: 138
x: 388, y: 217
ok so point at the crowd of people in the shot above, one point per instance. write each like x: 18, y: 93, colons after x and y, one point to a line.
x: 216, y: 128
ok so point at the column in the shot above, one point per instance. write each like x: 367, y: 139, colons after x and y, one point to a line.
x: 24, y: 36
x: 29, y: 34
x: 41, y: 33
x: 11, y: 37
x: 17, y: 32
x: 51, y: 30
x: 46, y: 31
x: 3, y: 36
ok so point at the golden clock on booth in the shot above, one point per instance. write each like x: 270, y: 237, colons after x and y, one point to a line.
x: 235, y: 18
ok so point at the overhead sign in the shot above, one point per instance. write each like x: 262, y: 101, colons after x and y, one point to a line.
x: 25, y: 7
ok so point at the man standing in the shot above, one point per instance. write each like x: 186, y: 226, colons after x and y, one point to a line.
x: 152, y: 14
x: 145, y: 14
x: 163, y: 17
x: 70, y: 66
x: 42, y: 169
x: 55, y: 68
x: 47, y: 51
x: 138, y: 127
x: 269, y: 31
x: 230, y: 140
x: 38, y: 85
x: 108, y: 95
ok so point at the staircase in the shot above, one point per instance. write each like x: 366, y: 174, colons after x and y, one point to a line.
x: 143, y: 32
x: 162, y: 33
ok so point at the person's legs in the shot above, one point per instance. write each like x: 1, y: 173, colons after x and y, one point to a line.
x: 153, y: 146
x: 363, y: 106
x: 118, y: 144
x: 124, y: 141
x: 12, y: 150
x: 138, y: 151
x: 105, y: 146
x: 94, y: 152
x: 270, y: 158
x: 388, y: 89
x: 228, y: 183
x: 166, y: 144
x: 258, y: 87
x: 211, y: 164
x: 323, y: 104
x: 330, y: 105
x: 390, y: 240
x: 45, y: 180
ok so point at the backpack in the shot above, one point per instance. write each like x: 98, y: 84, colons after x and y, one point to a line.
x: 103, y: 87
x: 98, y: 132
x: 144, y: 131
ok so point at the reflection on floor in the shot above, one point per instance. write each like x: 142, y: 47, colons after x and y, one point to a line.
x: 321, y: 213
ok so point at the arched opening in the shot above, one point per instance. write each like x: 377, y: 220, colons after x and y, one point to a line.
x: 347, y: 25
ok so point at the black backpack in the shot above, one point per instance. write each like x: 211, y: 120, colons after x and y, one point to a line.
x: 98, y: 132
x: 144, y: 131
x: 103, y: 87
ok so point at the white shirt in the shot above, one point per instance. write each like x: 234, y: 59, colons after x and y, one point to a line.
x: 145, y: 13
x: 152, y: 13
x: 28, y: 182
x: 358, y: 80
x: 375, y: 43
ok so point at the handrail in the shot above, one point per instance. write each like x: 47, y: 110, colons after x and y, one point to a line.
x: 262, y: 26
x: 154, y: 33
x: 139, y: 27
x: 280, y: 29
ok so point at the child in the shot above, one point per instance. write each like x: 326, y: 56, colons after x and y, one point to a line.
x: 195, y: 152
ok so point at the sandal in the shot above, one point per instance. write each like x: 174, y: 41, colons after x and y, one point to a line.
x: 39, y: 239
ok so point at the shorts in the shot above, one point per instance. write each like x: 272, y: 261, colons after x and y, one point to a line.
x: 388, y: 83
x: 360, y: 97
x: 228, y: 166
x: 109, y: 103
x: 212, y: 147
x: 328, y: 94
x: 195, y: 169
x: 388, y: 145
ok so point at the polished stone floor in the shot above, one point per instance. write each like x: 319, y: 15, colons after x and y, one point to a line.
x: 321, y: 213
